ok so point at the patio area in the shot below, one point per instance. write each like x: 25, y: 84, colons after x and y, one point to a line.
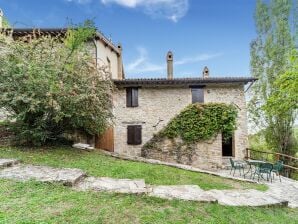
x: 283, y: 188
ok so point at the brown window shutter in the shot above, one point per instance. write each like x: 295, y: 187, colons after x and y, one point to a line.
x: 138, y: 134
x: 129, y: 97
x: 134, y: 134
x: 130, y: 135
x: 135, y: 100
x: 197, y: 95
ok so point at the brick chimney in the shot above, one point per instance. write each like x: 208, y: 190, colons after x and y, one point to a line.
x: 170, y: 65
x: 206, y: 72
x: 1, y: 18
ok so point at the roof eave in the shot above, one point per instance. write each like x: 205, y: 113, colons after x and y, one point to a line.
x: 181, y: 82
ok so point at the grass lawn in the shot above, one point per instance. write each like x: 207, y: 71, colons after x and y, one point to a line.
x: 34, y: 202
x: 98, y: 164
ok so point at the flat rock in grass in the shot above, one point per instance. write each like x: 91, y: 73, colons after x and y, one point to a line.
x: 183, y: 192
x: 83, y: 146
x: 112, y: 185
x: 246, y: 198
x: 8, y: 162
x: 65, y: 176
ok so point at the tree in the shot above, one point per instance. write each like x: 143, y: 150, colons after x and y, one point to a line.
x: 5, y: 22
x: 50, y: 85
x: 269, y: 61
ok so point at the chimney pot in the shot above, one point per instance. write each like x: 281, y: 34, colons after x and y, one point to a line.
x: 206, y: 72
x: 170, y: 68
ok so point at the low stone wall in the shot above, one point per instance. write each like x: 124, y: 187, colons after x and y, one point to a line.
x: 204, y: 155
x: 6, y: 135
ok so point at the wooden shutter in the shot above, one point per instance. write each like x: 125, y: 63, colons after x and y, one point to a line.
x: 134, y: 134
x: 130, y: 135
x: 138, y: 134
x: 132, y: 97
x: 129, y: 97
x: 134, y: 101
x: 197, y: 95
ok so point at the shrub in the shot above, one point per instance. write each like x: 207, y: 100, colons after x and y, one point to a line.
x: 51, y: 85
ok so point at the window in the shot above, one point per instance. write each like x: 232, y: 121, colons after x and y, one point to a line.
x: 134, y: 134
x: 197, y: 95
x: 132, y: 97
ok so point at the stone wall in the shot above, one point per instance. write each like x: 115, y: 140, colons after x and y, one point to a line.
x: 204, y: 155
x: 158, y: 105
x: 233, y: 94
x: 5, y: 136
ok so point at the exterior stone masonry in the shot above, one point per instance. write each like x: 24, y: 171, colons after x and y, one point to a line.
x: 158, y: 105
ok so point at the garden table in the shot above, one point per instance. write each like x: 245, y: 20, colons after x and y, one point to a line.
x: 251, y: 163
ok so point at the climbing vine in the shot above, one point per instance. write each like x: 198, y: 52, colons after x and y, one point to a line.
x: 199, y: 122
x: 196, y: 123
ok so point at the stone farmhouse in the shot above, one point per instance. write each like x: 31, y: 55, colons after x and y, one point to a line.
x: 142, y: 107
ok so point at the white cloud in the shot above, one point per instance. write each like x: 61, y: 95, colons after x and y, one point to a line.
x: 143, y: 64
x: 80, y: 1
x: 169, y: 9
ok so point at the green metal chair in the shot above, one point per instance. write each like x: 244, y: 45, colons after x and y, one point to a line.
x: 264, y: 168
x: 236, y: 165
x: 277, y: 168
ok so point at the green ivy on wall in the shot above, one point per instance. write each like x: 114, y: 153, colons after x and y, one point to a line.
x: 199, y: 122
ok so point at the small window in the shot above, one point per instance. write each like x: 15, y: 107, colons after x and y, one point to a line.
x: 197, y: 95
x: 132, y: 97
x: 134, y: 134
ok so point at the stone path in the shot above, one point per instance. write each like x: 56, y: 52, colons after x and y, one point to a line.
x: 113, y: 185
x: 183, y: 192
x: 68, y: 177
x: 283, y: 193
x: 8, y: 162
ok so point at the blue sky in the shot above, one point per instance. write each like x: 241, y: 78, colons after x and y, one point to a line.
x: 215, y: 33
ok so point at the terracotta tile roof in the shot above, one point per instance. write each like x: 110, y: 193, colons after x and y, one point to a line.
x: 182, y: 81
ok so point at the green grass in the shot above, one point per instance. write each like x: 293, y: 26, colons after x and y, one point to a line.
x: 98, y: 164
x: 34, y: 202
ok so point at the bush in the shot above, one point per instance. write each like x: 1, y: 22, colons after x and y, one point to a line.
x: 51, y: 85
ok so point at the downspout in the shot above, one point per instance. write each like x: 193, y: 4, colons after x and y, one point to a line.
x: 252, y: 82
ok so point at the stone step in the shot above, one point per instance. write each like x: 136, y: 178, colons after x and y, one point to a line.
x: 66, y: 176
x: 112, y: 185
x: 183, y: 192
x: 248, y: 197
x: 8, y: 162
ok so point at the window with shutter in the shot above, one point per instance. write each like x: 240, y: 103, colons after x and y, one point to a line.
x: 197, y: 95
x: 134, y: 134
x: 132, y: 97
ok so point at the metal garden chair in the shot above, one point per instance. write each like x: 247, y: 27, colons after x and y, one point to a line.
x: 277, y: 168
x: 236, y: 165
x: 264, y: 168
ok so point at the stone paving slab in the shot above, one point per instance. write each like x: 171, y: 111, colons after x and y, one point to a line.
x: 286, y: 189
x: 8, y: 162
x: 279, y: 193
x: 65, y: 176
x: 112, y: 185
x: 183, y: 192
x: 249, y: 197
